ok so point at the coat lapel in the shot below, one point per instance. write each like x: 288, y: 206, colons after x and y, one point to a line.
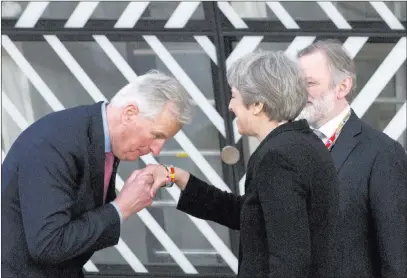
x: 347, y: 141
x: 96, y: 153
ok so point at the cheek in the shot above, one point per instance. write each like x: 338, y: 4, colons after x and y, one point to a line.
x: 123, y: 141
x: 315, y: 92
x: 131, y: 143
x: 141, y: 142
x: 242, y: 117
x: 237, y: 109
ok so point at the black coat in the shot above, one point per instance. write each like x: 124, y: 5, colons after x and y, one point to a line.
x: 288, y: 215
x: 372, y: 170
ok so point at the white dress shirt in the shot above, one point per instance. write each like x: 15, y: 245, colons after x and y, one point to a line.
x: 329, y: 128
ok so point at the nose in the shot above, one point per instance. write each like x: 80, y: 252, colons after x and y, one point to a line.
x: 230, y: 107
x: 156, y: 147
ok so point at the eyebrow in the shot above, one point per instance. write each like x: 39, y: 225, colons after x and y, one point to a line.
x: 159, y: 134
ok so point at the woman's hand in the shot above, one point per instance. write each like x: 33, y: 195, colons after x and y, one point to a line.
x: 160, y: 174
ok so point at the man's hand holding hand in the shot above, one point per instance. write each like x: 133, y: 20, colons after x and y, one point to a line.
x: 136, y: 193
x: 140, y: 188
x: 160, y: 174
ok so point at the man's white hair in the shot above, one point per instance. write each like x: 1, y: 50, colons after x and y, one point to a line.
x: 151, y: 92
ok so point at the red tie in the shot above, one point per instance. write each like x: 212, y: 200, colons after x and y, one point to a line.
x: 108, y: 172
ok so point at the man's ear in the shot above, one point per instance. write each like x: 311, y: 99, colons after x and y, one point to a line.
x: 130, y: 111
x: 344, y: 88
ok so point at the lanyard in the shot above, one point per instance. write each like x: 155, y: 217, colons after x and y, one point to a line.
x: 331, y: 141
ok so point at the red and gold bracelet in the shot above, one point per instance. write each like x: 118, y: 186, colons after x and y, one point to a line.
x: 170, y: 176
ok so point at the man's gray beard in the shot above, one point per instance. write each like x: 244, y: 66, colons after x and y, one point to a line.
x: 318, y: 110
x: 312, y: 115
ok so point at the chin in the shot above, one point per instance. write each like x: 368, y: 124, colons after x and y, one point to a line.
x: 240, y: 131
x: 132, y: 157
x: 243, y: 132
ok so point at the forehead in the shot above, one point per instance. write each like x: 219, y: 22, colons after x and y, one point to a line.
x: 315, y: 65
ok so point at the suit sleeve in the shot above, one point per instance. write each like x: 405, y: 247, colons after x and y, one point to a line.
x: 210, y: 203
x: 388, y: 191
x: 284, y: 205
x: 47, y: 188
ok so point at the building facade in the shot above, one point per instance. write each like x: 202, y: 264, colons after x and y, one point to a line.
x: 57, y: 55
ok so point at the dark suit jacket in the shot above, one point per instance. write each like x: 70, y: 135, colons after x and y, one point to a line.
x: 287, y: 217
x: 372, y: 170
x: 52, y: 213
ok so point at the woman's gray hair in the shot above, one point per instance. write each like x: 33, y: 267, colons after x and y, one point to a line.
x: 271, y: 78
x: 151, y: 92
x: 339, y: 61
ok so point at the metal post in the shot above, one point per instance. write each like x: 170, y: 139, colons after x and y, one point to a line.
x: 223, y: 47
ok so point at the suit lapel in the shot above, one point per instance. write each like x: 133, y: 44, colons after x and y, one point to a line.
x: 96, y: 153
x: 347, y: 141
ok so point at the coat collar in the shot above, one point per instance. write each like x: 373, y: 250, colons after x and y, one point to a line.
x: 299, y: 125
x: 347, y: 141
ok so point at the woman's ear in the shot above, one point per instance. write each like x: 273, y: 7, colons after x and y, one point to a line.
x: 257, y: 108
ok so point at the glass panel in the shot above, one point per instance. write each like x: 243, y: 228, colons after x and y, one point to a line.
x: 12, y: 9
x: 155, y: 10
x: 297, y: 10
x: 105, y: 10
x: 369, y: 58
x: 163, y: 10
x: 379, y: 115
x: 251, y: 10
x: 398, y: 8
x: 362, y: 11
x: 307, y: 11
x: 108, y: 79
x: 54, y: 10
x: 357, y: 11
x: 15, y: 87
x: 109, y: 10
x: 59, y: 10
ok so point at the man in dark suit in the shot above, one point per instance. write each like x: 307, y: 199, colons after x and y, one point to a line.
x: 372, y: 168
x: 59, y: 204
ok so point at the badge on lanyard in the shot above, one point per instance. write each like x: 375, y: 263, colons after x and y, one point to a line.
x: 331, y: 141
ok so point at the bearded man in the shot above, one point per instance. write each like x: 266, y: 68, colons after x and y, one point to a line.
x: 372, y: 168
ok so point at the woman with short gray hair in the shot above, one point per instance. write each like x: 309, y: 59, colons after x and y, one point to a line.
x: 272, y: 79
x: 288, y: 214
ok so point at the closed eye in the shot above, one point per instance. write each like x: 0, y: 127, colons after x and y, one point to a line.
x: 159, y: 135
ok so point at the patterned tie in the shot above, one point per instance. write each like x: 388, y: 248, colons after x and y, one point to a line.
x: 108, y: 172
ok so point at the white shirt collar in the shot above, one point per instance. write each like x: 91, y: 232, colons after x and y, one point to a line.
x: 330, y: 127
